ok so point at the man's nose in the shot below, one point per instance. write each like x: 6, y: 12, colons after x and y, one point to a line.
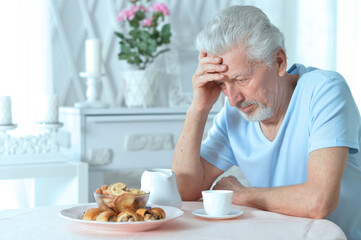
x: 234, y: 95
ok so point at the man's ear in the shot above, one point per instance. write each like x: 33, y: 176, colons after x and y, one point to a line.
x: 281, y: 62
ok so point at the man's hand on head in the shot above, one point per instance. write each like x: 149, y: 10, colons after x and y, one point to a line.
x: 205, y: 88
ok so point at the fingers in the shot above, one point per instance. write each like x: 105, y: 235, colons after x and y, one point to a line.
x: 209, y: 64
x: 202, y: 80
x: 201, y: 55
x: 232, y: 178
x: 208, y: 68
x: 214, y: 59
x: 229, y: 182
x: 206, y: 90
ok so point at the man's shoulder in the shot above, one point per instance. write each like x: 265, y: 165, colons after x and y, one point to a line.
x: 320, y: 76
x: 316, y: 79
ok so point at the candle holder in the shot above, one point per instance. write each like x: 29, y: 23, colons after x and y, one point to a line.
x: 7, y: 127
x: 92, y: 92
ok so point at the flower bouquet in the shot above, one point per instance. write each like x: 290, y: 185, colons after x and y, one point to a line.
x: 148, y: 32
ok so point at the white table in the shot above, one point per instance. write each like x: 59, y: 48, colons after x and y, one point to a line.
x: 45, y: 223
x: 55, y: 182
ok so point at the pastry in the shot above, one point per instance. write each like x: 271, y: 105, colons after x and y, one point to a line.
x: 124, y: 202
x: 117, y: 188
x: 106, y: 204
x: 151, y: 214
x: 91, y: 214
x: 107, y: 216
x: 129, y: 216
x: 145, y: 214
x: 104, y: 190
x: 158, y: 213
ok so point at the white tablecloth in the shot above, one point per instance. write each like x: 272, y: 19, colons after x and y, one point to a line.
x: 45, y: 223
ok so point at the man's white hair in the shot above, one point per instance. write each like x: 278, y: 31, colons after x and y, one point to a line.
x: 241, y: 26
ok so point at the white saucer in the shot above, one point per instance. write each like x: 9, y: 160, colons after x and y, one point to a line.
x: 202, y: 213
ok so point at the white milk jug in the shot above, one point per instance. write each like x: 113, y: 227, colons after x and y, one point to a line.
x: 162, y: 185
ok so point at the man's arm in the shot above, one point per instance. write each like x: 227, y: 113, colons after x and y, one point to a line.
x: 194, y: 173
x: 316, y: 198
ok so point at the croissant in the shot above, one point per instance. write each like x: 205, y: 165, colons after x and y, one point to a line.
x: 107, y: 216
x: 104, y: 190
x: 91, y: 214
x: 151, y: 214
x: 142, y: 214
x: 158, y: 213
x: 124, y: 202
x: 129, y: 216
x: 117, y: 188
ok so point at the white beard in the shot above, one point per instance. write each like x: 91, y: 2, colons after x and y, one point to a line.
x: 261, y: 113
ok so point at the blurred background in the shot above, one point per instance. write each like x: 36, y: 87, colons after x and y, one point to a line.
x: 43, y: 47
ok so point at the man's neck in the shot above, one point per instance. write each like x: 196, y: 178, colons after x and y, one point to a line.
x: 271, y: 125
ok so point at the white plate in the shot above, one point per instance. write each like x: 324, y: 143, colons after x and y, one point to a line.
x: 202, y: 213
x: 75, y: 214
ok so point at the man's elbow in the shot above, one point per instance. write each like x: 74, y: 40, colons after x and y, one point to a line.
x: 320, y: 207
x: 188, y: 193
x: 187, y: 189
x: 189, y: 198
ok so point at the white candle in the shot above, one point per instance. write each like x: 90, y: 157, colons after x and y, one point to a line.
x: 49, y: 109
x: 93, y: 56
x: 5, y: 110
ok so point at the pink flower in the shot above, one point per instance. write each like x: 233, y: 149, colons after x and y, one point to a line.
x: 126, y: 14
x: 137, y: 8
x: 130, y: 13
x: 147, y: 22
x: 160, y: 7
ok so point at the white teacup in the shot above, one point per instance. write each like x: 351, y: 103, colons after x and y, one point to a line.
x: 217, y: 202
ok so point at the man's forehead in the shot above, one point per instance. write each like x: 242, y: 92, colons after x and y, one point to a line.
x: 235, y: 71
x: 236, y: 59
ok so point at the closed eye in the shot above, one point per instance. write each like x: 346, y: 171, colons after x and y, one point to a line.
x: 219, y: 83
x: 243, y: 81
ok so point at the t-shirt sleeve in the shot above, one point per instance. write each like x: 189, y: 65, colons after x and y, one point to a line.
x: 216, y: 147
x: 334, y: 117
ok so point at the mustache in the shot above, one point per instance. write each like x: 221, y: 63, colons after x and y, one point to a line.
x: 246, y: 103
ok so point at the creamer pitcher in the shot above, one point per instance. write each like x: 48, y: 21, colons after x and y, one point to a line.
x: 162, y: 185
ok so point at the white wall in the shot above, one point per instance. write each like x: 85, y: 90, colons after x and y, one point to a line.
x: 349, y: 44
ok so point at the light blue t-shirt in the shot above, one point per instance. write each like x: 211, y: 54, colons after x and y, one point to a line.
x: 321, y: 113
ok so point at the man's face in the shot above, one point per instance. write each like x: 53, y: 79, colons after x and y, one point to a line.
x: 249, y: 86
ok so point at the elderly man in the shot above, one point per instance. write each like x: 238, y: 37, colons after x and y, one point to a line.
x: 294, y: 133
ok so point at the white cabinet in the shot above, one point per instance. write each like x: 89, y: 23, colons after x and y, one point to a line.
x: 120, y: 143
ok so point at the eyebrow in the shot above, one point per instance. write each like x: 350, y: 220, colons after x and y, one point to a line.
x: 237, y: 75
x: 234, y: 76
